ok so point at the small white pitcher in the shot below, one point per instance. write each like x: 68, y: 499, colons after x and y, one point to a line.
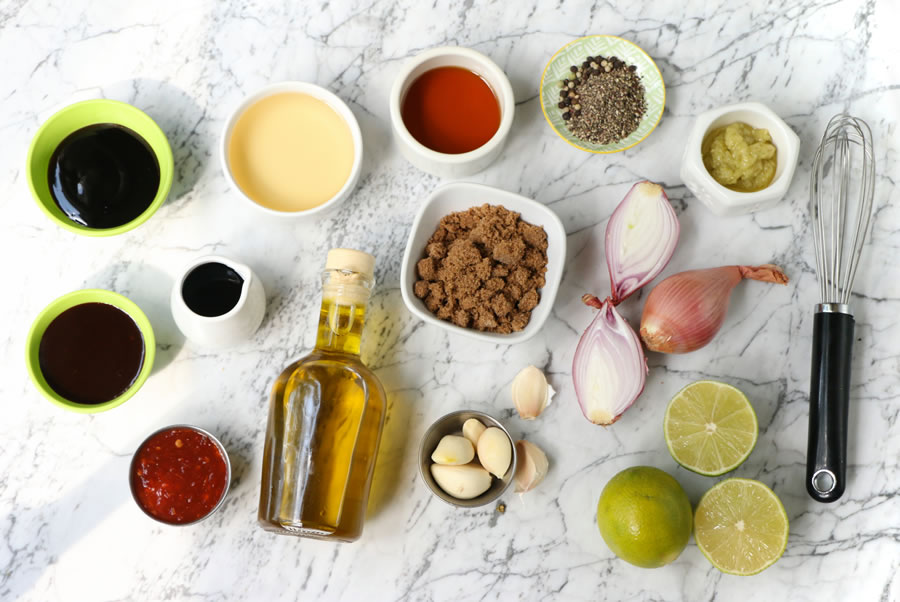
x: 229, y: 329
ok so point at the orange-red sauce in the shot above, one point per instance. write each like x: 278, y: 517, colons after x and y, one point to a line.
x: 179, y: 475
x: 451, y: 110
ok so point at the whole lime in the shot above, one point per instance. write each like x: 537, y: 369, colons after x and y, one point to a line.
x: 644, y: 516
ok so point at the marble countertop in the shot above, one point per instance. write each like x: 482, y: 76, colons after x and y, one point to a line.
x: 69, y: 528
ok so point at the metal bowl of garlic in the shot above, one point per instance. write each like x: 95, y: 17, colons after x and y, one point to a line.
x: 452, y: 424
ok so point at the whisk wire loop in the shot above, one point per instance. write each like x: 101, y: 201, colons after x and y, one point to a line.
x: 841, y: 211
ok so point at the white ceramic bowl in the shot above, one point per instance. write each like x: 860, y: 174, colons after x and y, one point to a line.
x: 721, y: 200
x: 316, y: 92
x: 447, y: 165
x: 459, y: 196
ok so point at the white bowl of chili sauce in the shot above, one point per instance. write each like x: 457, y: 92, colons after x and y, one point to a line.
x: 180, y: 475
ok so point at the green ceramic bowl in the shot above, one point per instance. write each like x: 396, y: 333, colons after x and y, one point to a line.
x: 574, y: 53
x: 91, y: 295
x: 82, y: 114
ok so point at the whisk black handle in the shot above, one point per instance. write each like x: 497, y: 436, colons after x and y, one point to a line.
x: 829, y: 396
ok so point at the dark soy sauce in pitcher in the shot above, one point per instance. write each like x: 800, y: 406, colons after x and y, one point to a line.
x: 212, y: 289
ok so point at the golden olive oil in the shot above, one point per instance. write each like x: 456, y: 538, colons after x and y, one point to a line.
x: 325, y: 420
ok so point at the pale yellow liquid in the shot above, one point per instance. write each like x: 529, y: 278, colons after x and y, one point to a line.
x: 326, y: 416
x: 290, y: 152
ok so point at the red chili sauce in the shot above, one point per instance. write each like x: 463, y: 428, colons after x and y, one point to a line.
x: 178, y: 476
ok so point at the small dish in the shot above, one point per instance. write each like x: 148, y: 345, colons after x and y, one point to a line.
x: 446, y: 165
x: 203, y: 433
x: 452, y: 424
x: 574, y: 53
x: 82, y: 114
x: 459, y: 196
x: 320, y: 93
x: 43, y: 320
x: 230, y: 328
x: 723, y: 201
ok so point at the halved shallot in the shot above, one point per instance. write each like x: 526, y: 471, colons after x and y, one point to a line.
x: 609, y: 368
x: 640, y: 239
x: 685, y: 311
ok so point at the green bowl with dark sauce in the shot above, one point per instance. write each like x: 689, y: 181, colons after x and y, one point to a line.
x: 118, y: 134
x: 92, y: 360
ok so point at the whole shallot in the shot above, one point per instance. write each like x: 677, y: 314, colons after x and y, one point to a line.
x: 685, y: 311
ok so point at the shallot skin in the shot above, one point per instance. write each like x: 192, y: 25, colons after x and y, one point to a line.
x: 685, y: 311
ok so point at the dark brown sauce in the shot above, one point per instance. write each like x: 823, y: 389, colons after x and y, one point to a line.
x: 212, y: 289
x: 103, y: 176
x: 91, y: 353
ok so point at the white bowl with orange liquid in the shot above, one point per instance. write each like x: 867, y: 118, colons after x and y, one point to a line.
x: 292, y: 149
x: 457, y: 164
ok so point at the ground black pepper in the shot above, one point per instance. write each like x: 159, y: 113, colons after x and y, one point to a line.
x: 604, y: 101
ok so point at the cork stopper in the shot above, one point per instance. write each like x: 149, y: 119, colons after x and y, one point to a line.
x: 352, y: 260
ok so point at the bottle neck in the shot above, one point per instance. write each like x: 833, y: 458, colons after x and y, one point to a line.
x: 343, y: 312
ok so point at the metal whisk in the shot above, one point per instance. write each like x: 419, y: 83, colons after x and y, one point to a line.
x: 842, y: 186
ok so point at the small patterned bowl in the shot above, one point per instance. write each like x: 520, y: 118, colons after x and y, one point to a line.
x: 574, y: 53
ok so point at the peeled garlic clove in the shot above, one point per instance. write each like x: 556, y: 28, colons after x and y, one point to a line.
x: 494, y: 451
x: 472, y: 430
x: 462, y: 482
x: 531, y: 393
x: 453, y: 450
x: 531, y: 465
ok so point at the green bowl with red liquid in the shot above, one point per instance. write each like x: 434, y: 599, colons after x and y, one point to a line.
x: 53, y: 311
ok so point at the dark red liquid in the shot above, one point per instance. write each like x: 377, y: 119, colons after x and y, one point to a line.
x: 451, y: 110
x: 179, y: 475
x: 91, y: 353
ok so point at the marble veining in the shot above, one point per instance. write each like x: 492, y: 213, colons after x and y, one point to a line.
x: 69, y: 528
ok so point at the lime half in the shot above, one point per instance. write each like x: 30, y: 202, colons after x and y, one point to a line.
x: 710, y: 427
x: 741, y: 526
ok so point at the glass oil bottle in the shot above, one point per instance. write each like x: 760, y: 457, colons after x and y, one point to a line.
x: 326, y: 414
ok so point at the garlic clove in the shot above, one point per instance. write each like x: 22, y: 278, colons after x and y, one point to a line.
x: 531, y: 393
x: 495, y: 451
x: 453, y: 450
x: 531, y: 465
x: 462, y: 482
x: 472, y: 430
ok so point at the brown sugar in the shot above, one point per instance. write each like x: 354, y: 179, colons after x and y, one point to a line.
x: 483, y: 269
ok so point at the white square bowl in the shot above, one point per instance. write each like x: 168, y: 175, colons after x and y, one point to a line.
x: 459, y: 196
x: 723, y: 201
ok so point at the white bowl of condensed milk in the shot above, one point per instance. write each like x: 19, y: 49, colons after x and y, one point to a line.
x: 292, y: 149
